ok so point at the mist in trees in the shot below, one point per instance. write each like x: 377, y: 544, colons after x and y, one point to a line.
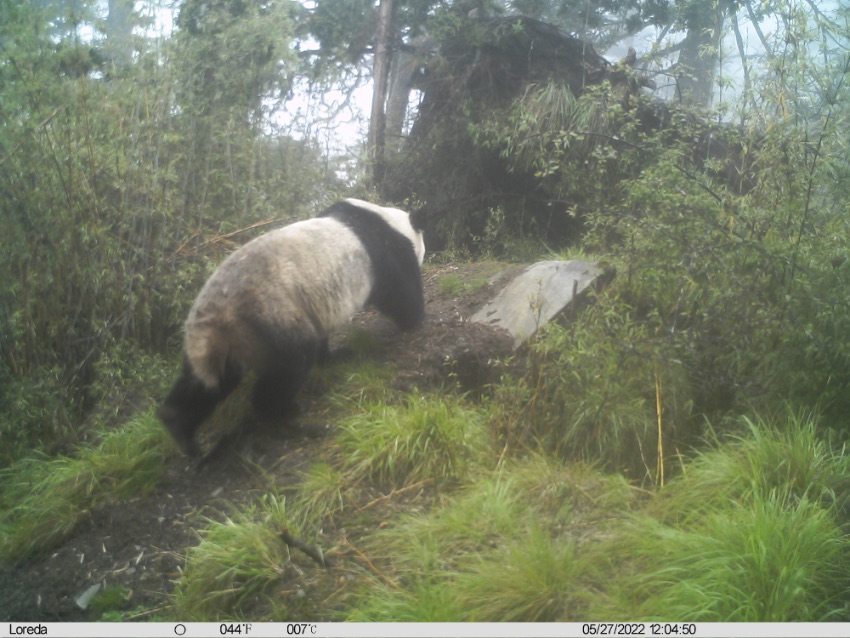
x: 132, y: 158
x: 130, y: 165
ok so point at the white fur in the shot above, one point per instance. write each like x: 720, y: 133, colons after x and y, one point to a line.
x: 301, y: 281
x: 399, y: 220
x: 311, y: 294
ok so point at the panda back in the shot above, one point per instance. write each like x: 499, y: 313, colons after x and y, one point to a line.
x: 295, y: 285
x: 291, y: 285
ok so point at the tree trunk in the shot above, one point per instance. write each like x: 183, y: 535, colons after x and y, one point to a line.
x: 380, y: 73
x: 119, y: 32
x: 404, y: 70
x: 698, y: 57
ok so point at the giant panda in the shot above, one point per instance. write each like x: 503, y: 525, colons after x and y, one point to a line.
x: 270, y: 306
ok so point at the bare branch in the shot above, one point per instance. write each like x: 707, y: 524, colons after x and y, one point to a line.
x: 313, y: 552
x: 742, y: 53
x: 758, y: 30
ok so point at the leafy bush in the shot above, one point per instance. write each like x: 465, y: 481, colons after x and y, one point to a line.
x: 594, y: 392
x: 117, y: 201
x: 722, y: 304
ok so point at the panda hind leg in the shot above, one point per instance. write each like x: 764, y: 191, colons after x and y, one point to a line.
x: 189, y: 403
x: 324, y: 356
x: 276, y: 389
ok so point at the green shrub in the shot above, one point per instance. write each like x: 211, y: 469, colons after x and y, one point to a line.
x: 748, y: 293
x: 593, y: 394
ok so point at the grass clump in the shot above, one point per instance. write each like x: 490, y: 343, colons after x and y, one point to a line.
x: 43, y: 498
x: 750, y: 531
x: 236, y: 564
x: 425, y: 437
x: 426, y: 551
x: 323, y: 491
x: 473, y: 519
x: 783, y: 455
x: 774, y: 560
x: 351, y: 383
x: 564, y: 490
x: 530, y: 579
x: 499, y: 549
x: 426, y: 600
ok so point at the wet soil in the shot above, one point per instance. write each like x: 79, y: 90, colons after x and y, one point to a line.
x: 138, y: 547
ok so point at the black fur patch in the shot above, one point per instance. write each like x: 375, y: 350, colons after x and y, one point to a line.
x: 397, y: 292
x: 289, y: 355
x: 189, y: 403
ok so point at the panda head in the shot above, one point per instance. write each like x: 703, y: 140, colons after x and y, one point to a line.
x: 399, y: 220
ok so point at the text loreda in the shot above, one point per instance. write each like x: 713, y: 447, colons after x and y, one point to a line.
x: 27, y: 630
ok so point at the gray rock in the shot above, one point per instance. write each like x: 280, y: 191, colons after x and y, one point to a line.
x: 536, y: 296
x: 85, y: 598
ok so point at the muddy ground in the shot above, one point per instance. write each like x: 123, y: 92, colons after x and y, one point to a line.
x: 139, y: 546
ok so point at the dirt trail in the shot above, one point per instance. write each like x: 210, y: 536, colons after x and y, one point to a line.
x: 140, y: 544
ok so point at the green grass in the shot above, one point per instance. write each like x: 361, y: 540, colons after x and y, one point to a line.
x: 529, y: 579
x: 426, y: 437
x: 498, y: 506
x: 324, y: 490
x: 542, y: 539
x: 787, y: 455
x: 425, y: 551
x: 563, y: 490
x: 112, y: 599
x: 363, y: 343
x: 236, y: 564
x: 498, y: 549
x: 351, y: 383
x: 43, y: 499
x: 425, y: 600
x: 751, y: 530
x: 452, y: 285
x: 774, y: 560
x: 471, y: 520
